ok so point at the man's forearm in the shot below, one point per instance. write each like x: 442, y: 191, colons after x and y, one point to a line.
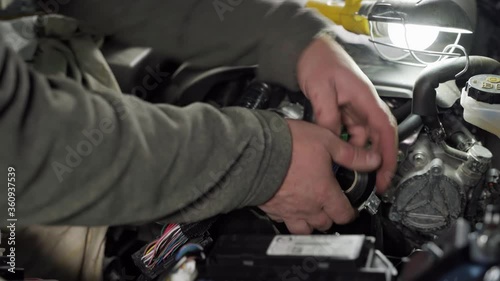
x: 269, y: 33
x: 98, y: 159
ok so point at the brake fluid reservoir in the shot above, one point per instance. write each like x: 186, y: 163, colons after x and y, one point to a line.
x: 481, y: 102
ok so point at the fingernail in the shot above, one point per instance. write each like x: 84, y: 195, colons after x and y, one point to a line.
x: 388, y: 176
x: 373, y: 159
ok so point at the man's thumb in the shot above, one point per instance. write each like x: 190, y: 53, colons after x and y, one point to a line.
x: 352, y: 157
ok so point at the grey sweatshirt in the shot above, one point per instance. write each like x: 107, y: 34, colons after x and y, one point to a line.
x: 87, y: 158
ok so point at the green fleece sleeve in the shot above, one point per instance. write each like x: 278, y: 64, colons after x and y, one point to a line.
x: 208, y: 33
x: 85, y: 158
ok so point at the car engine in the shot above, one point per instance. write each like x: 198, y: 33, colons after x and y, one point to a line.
x: 445, y: 170
x: 439, y: 220
x: 446, y: 186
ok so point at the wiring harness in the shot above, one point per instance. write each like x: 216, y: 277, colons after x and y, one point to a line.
x: 175, y: 242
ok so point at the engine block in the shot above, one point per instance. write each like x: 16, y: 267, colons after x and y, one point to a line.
x: 433, y: 184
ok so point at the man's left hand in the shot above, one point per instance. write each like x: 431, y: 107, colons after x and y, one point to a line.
x: 342, y: 95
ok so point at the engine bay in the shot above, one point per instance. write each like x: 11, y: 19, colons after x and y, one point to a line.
x: 439, y: 220
x: 445, y: 194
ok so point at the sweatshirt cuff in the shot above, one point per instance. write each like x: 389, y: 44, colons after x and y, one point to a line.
x: 276, y: 162
x: 256, y: 176
x: 283, y: 44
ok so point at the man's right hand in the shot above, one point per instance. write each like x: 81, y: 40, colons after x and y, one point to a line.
x: 310, y: 196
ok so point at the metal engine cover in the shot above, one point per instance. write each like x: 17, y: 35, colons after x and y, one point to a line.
x: 428, y: 201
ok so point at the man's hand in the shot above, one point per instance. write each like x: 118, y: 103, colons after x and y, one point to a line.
x: 310, y: 197
x: 341, y: 94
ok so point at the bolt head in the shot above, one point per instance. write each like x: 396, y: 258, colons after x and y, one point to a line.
x: 436, y: 170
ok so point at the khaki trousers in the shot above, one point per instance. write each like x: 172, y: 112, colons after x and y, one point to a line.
x: 64, y: 253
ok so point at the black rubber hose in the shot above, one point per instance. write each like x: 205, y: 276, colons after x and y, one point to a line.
x: 424, y: 93
x: 402, y: 112
x: 409, y: 126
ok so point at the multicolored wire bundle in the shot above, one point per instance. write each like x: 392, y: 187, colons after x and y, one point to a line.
x: 168, y: 243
